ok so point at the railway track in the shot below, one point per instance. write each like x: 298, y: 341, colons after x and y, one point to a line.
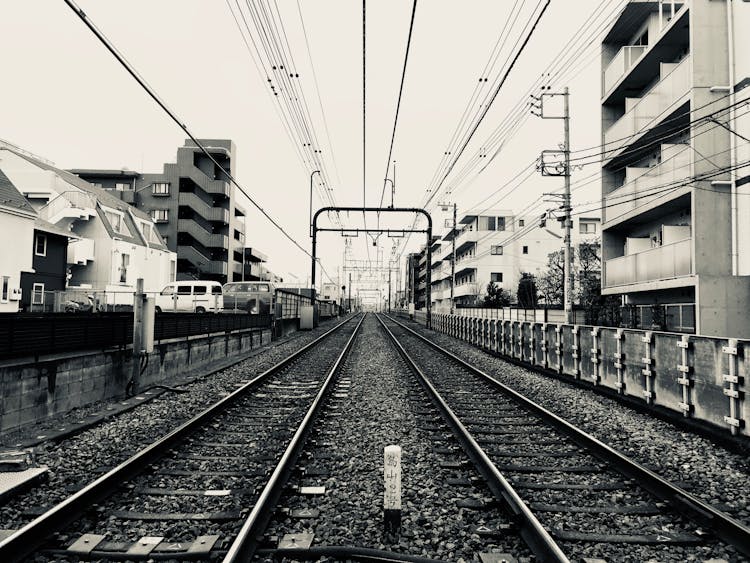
x: 575, y: 496
x: 186, y: 496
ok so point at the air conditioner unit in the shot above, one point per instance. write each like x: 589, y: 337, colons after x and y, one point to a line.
x: 15, y: 294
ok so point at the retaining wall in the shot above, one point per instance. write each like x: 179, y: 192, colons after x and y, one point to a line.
x: 700, y: 377
x: 32, y: 389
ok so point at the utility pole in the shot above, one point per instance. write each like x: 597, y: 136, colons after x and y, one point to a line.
x: 560, y: 169
x: 350, y: 292
x: 389, y: 286
x: 453, y: 258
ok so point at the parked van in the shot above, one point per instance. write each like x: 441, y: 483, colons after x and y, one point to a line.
x: 255, y: 298
x: 197, y: 296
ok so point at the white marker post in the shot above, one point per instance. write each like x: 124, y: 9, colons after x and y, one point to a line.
x: 392, y: 498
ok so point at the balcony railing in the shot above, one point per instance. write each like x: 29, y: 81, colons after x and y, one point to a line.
x: 663, y: 262
x: 640, y: 112
x: 621, y: 63
x: 642, y: 185
x: 73, y: 199
x: 81, y: 251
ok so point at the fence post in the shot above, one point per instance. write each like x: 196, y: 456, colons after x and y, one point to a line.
x: 137, y: 334
x: 647, y: 371
x: 620, y: 383
x: 543, y: 345
x: 733, y: 391
x: 532, y: 343
x: 558, y: 348
x: 595, y: 355
x: 684, y: 379
x: 576, y: 353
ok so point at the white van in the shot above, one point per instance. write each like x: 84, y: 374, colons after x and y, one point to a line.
x: 197, y: 296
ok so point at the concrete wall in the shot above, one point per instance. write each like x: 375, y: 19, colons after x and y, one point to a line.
x: 681, y: 373
x: 31, y: 392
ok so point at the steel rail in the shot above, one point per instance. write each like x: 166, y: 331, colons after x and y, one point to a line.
x: 721, y: 524
x: 246, y: 542
x: 27, y: 539
x: 532, y: 531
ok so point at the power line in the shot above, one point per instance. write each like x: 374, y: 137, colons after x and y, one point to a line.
x: 398, y: 103
x: 154, y: 96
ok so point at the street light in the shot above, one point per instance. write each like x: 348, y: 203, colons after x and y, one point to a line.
x: 311, y: 187
x: 393, y: 189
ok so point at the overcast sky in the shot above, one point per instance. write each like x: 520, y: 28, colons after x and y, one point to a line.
x: 64, y: 97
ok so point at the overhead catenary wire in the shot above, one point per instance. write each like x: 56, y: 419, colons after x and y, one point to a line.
x: 398, y: 103
x: 162, y: 104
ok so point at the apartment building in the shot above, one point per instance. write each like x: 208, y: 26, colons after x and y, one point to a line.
x: 194, y: 206
x: 672, y: 242
x: 497, y: 246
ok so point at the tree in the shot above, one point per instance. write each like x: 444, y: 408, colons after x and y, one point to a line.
x: 527, y: 292
x: 550, y: 284
x: 496, y: 297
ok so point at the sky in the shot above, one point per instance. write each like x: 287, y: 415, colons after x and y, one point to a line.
x: 65, y: 98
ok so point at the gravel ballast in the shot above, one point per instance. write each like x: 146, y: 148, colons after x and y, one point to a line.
x: 379, y: 403
x: 707, y: 470
x: 76, y: 461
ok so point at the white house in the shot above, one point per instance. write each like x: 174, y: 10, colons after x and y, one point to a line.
x: 118, y: 243
x: 17, y: 233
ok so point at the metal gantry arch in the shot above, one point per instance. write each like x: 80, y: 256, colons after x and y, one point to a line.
x: 417, y: 210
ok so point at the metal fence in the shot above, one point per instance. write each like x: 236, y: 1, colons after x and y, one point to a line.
x: 288, y: 304
x: 27, y: 334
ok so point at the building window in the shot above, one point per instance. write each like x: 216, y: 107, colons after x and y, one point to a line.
x: 496, y: 277
x: 496, y: 250
x: 124, y: 263
x: 160, y: 215
x: 521, y: 222
x: 160, y: 188
x: 4, y: 294
x: 37, y: 294
x: 525, y: 250
x: 490, y: 223
x: 587, y: 228
x: 117, y: 221
x: 501, y: 223
x: 120, y: 187
x: 40, y: 245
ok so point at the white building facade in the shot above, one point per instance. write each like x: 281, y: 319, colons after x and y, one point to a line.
x: 497, y: 246
x: 17, y: 233
x: 117, y: 243
x: 674, y: 241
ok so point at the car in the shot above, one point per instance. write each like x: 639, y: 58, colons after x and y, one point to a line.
x: 198, y: 296
x: 253, y: 297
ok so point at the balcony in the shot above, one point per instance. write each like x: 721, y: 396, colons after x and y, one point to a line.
x: 673, y: 86
x: 81, y: 251
x: 660, y: 263
x: 202, y: 263
x: 467, y: 239
x: 204, y: 209
x: 622, y: 63
x: 209, y: 240
x: 72, y: 205
x: 466, y: 289
x: 641, y: 187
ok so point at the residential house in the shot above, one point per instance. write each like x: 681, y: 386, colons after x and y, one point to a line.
x: 194, y: 206
x: 50, y: 266
x: 116, y: 243
x: 17, y: 233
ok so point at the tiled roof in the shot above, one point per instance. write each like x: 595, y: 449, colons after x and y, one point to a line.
x: 11, y: 197
x: 47, y: 227
x: 100, y: 194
